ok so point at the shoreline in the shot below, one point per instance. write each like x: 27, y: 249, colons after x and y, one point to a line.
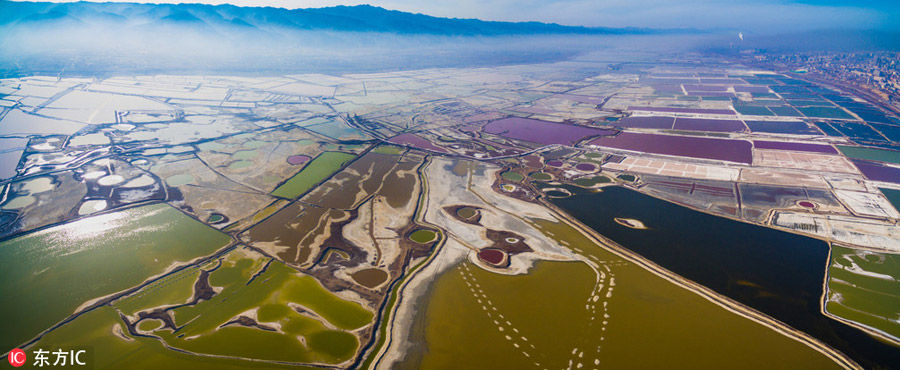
x: 727, y: 303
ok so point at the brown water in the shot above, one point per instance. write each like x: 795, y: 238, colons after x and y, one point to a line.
x: 651, y: 323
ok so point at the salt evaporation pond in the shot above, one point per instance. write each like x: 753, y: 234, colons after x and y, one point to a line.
x: 694, y: 147
x: 298, y: 159
x: 716, y: 125
x: 878, y: 172
x: 801, y: 147
x: 416, y: 142
x: 782, y: 127
x: 683, y: 110
x: 656, y: 122
x: 542, y: 132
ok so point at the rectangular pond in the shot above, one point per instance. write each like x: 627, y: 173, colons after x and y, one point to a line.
x: 543, y: 132
x: 684, y: 146
x: 801, y: 147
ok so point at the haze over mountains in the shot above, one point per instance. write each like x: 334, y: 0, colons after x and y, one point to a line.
x: 130, y: 37
x: 228, y: 19
x: 88, y: 38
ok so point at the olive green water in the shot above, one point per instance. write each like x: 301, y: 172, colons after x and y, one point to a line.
x: 46, y: 275
x: 270, y: 294
x: 651, y: 323
x: 317, y: 170
x: 422, y: 236
x: 864, y: 287
x: 95, y: 330
x: 247, y: 282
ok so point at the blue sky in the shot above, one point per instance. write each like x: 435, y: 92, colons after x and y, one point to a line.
x: 749, y: 15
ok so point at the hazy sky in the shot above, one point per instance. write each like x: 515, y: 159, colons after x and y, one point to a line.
x: 758, y: 15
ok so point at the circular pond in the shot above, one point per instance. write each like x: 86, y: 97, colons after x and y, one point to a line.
x: 807, y: 204
x: 512, y: 176
x: 298, y: 159
x: 493, y: 256
x: 370, y: 278
x: 91, y: 206
x: 423, y: 236
x: 586, y: 167
x: 110, y: 180
x: 541, y: 176
x: 216, y: 218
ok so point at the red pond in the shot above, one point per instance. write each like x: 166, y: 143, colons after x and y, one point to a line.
x: 492, y: 256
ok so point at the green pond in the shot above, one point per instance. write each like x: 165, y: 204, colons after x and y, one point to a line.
x: 864, y: 287
x: 883, y: 155
x: 541, y: 176
x: 591, y: 181
x: 893, y: 196
x: 467, y: 212
x: 512, y: 176
x: 317, y: 170
x: 49, y: 273
x: 422, y: 236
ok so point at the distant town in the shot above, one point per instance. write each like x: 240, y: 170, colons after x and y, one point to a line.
x: 876, y: 72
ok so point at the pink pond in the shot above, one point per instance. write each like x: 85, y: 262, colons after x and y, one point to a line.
x: 807, y: 204
x: 416, y: 142
x: 685, y: 146
x: 803, y: 147
x: 298, y: 159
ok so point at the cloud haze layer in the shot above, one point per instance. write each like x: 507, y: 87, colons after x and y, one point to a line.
x: 762, y: 16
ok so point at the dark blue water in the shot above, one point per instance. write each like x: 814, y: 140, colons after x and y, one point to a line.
x: 778, y: 273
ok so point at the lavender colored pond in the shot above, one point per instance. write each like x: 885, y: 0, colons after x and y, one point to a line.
x: 694, y: 147
x: 298, y: 159
x: 415, y: 142
x: 717, y: 125
x: 782, y: 127
x: 801, y: 147
x: 722, y: 81
x: 877, y: 171
x: 543, y: 132
x: 587, y: 167
x: 646, y: 122
x: 682, y: 110
x: 705, y: 88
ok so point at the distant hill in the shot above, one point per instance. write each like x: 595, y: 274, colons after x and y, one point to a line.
x: 230, y: 18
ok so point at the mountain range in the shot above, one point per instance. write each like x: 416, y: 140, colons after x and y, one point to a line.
x: 226, y: 19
